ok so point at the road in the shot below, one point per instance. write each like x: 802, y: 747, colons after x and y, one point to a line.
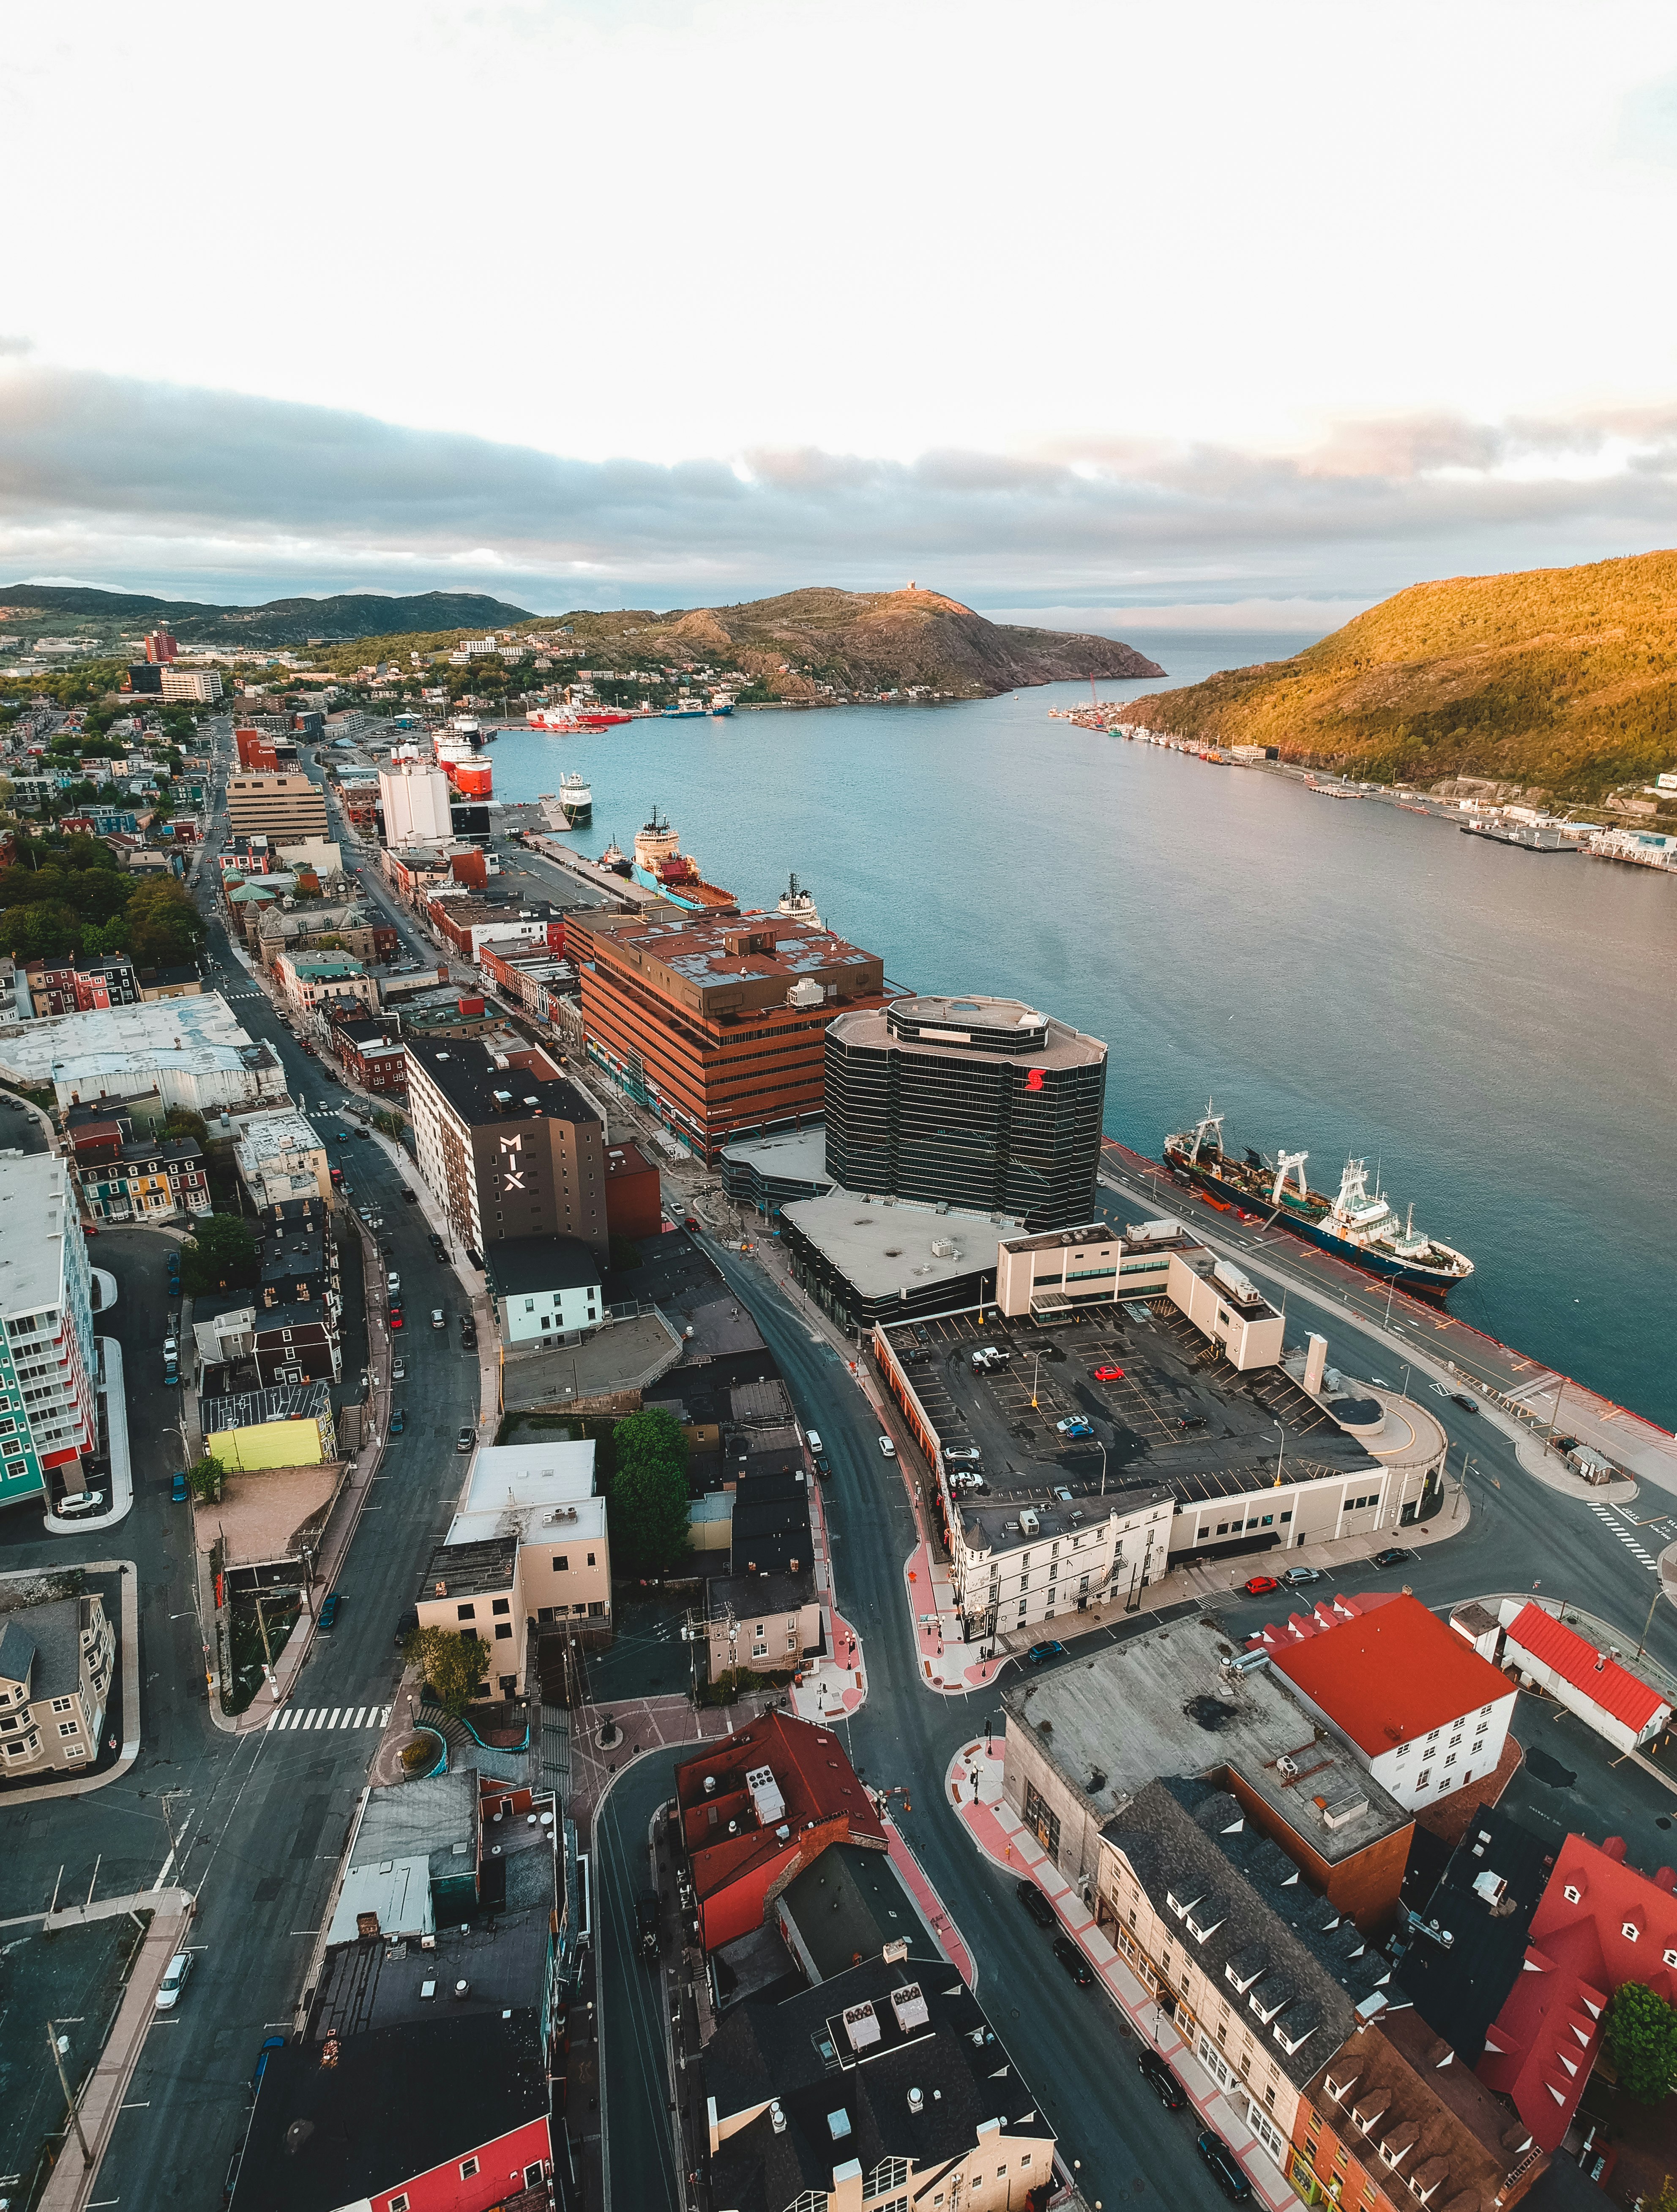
x: 263, y: 1818
x: 1071, y: 2045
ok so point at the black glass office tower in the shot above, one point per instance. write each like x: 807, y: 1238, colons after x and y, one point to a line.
x: 980, y: 1104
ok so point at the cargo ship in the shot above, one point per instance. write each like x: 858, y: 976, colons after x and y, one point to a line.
x: 569, y: 720
x: 1358, y: 1226
x: 679, y: 878
x: 683, y: 708
x: 655, y: 840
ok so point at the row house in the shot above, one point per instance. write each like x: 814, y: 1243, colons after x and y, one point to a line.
x: 55, y: 1664
x: 77, y: 985
x: 468, y: 922
x: 316, y: 983
x: 139, y: 1177
x: 298, y: 1263
x: 531, y: 979
x: 1262, y: 1976
x: 295, y: 1344
x: 372, y: 1056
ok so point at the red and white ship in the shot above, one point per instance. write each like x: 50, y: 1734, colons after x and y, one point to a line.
x: 570, y: 721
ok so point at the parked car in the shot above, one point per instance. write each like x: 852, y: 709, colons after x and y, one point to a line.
x: 405, y: 1625
x: 888, y: 1448
x: 78, y: 1503
x: 1393, y: 1556
x: 329, y: 1610
x: 824, y: 1473
x: 1074, y: 1425
x: 1163, y: 2082
x: 175, y: 1976
x: 966, y: 1479
x: 398, y: 1371
x: 439, y: 1318
x: 395, y: 1315
x: 956, y: 1455
x: 177, y: 1486
x: 1467, y: 1405
x: 393, y: 1284
x: 399, y: 1421
x: 1260, y: 1585
x: 1073, y: 1961
x: 410, y: 1197
x: 469, y: 1338
x: 463, y: 1441
x: 1036, y: 1903
x: 1040, y: 1654
x: 1109, y: 1374
x: 1226, y: 2170
x: 922, y: 1334
x: 690, y: 1221
x: 362, y: 1133
x: 813, y: 1439
x: 1300, y: 1578
x: 646, y: 1923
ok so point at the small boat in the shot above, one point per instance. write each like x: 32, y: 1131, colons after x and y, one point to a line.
x: 722, y: 702
x: 684, y: 709
x: 616, y: 859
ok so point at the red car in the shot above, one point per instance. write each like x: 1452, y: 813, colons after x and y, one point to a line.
x: 1261, y: 1586
x: 396, y: 1321
x: 1109, y: 1374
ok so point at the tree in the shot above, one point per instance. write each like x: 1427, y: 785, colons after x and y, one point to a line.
x: 647, y: 1504
x: 220, y: 1254
x: 206, y: 1476
x: 165, y: 928
x: 1642, y: 2037
x: 43, y: 931
x: 454, y: 1665
x: 181, y: 1122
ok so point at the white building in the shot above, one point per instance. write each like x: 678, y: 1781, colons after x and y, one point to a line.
x: 280, y: 1155
x: 48, y: 1358
x: 203, y: 684
x: 191, y: 1050
x: 414, y: 797
x: 1422, y: 1709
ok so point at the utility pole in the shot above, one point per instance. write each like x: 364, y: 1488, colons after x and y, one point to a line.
x: 267, y: 1655
x: 74, y: 2116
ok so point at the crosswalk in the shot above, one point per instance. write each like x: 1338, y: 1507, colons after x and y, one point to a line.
x: 1625, y: 1532
x: 331, y: 1716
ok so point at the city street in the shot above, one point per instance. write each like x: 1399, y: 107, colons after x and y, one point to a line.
x: 261, y: 1818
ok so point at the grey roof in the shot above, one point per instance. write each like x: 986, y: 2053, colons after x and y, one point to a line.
x: 796, y: 2050
x: 1160, y: 1703
x: 748, y: 1595
x: 849, y: 1903
x: 365, y: 1985
x: 267, y: 1319
x: 517, y: 1264
x: 47, y: 1637
x: 1257, y: 1921
x: 422, y: 1819
x: 471, y: 1570
x: 470, y: 1080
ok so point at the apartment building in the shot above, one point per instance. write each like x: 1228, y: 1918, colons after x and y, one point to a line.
x: 371, y: 1055
x: 507, y: 1146
x: 318, y: 984
x: 77, y: 985
x: 48, y: 1357
x: 280, y: 1156
x: 123, y: 1177
x: 716, y: 1026
x: 278, y: 805
x: 55, y: 1663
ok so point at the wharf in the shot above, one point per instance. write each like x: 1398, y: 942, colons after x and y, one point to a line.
x: 1536, y: 1398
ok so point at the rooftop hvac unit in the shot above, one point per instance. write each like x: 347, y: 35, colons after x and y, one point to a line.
x: 861, y: 2025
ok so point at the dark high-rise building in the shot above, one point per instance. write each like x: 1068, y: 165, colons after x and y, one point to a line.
x: 980, y: 1104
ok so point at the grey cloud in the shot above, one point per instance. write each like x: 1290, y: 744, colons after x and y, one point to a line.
x: 97, y: 471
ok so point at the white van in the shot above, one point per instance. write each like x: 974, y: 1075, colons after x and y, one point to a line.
x: 813, y: 1440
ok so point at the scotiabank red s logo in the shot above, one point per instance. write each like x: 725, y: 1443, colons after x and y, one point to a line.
x: 1034, y: 1079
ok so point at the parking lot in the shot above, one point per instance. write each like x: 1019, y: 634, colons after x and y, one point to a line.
x: 1156, y: 1402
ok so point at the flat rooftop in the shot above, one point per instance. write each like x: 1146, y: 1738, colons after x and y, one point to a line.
x: 200, y: 1034
x: 517, y: 1490
x: 479, y: 1091
x: 1160, y: 1704
x: 699, y: 952
x: 36, y: 1214
x: 887, y: 1245
x: 1173, y: 1416
x: 963, y: 1027
x: 794, y: 1156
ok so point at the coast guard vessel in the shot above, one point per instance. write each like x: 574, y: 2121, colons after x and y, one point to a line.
x: 1358, y: 1226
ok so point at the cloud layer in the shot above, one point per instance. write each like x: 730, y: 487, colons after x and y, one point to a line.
x: 150, y: 485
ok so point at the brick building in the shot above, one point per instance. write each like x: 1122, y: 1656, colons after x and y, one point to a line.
x: 719, y: 1027
x: 634, y: 1202
x: 372, y: 1056
x: 507, y: 1146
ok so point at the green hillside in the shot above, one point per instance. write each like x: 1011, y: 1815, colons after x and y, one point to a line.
x: 1560, y: 679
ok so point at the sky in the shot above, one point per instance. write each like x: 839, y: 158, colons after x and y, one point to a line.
x: 1220, y: 316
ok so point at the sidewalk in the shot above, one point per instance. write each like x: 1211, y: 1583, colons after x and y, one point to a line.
x: 837, y: 1686
x: 974, y: 1785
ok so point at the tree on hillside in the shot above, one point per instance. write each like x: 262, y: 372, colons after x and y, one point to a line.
x: 45, y: 930
x: 165, y: 929
x: 454, y: 1665
x: 647, y: 1503
x: 220, y: 1254
x: 1642, y: 2037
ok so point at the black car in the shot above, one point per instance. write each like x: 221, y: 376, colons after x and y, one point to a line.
x: 1394, y: 1556
x: 1036, y: 1903
x: 405, y: 1626
x: 1467, y: 1405
x: 1073, y: 1961
x: 646, y: 1923
x: 1225, y: 2166
x: 410, y: 1197
x: 1163, y: 2082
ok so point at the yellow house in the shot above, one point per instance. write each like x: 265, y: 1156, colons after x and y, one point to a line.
x: 289, y: 1425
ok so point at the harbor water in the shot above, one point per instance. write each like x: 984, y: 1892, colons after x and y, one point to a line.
x: 1491, y: 1029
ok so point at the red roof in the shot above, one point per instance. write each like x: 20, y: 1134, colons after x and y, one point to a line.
x: 1599, y: 1923
x: 1390, y: 1675
x: 1577, y: 1661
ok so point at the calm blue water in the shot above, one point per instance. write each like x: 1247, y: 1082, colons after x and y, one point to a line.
x: 1495, y: 1028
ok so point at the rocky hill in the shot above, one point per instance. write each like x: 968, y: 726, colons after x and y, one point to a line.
x: 866, y: 641
x: 1561, y: 681
x: 287, y: 623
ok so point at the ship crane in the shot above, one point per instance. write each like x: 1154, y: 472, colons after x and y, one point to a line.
x: 1211, y: 1120
x: 1289, y: 1164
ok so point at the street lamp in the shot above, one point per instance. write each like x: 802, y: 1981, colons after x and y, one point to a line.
x: 1102, y: 1469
